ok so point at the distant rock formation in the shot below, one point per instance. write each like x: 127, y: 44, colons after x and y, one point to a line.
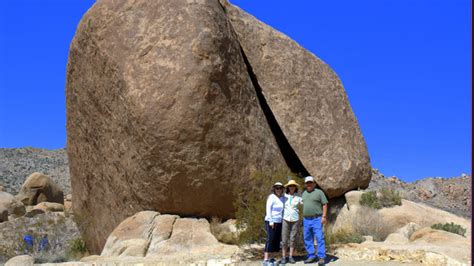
x: 17, y: 164
x: 449, y: 194
x: 40, y: 188
x: 169, y: 107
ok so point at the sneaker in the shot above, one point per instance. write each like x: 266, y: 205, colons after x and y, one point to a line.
x: 283, y: 261
x: 291, y: 260
x: 321, y: 261
x: 266, y: 263
x: 273, y: 262
x: 310, y: 260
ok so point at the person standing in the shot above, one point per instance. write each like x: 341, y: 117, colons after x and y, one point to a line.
x: 291, y: 220
x: 273, y: 219
x: 314, y: 216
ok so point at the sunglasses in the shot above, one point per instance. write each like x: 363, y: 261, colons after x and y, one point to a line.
x: 278, y: 187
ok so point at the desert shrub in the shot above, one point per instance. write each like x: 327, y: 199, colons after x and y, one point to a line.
x: 368, y: 221
x: 450, y: 227
x: 389, y: 197
x: 250, y: 204
x: 59, y: 232
x: 344, y: 236
x: 77, y: 248
x: 370, y: 199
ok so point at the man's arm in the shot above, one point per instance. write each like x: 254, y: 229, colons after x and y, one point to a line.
x: 325, y: 211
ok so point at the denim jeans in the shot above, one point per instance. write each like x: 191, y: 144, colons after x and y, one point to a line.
x: 312, y: 227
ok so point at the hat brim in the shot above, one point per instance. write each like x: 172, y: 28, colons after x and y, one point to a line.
x: 292, y: 184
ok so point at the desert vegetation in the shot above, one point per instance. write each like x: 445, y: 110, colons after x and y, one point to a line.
x: 250, y: 207
x: 64, y: 241
x: 386, y: 198
x: 342, y: 236
x: 450, y: 227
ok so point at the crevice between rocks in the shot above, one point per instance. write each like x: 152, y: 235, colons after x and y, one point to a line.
x: 288, y: 153
x: 291, y: 158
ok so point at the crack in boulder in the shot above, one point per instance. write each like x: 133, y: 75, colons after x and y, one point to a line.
x: 288, y: 153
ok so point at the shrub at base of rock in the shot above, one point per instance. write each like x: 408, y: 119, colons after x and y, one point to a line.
x: 250, y: 205
x: 450, y: 227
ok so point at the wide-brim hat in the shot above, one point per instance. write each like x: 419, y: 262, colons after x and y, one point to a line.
x: 278, y: 184
x: 292, y: 183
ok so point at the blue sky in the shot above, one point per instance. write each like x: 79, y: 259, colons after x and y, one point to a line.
x: 405, y: 64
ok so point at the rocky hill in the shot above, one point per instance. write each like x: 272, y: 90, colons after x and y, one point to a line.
x: 450, y: 194
x: 17, y: 164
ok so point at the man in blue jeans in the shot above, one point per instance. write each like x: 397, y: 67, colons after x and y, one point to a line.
x: 315, y: 206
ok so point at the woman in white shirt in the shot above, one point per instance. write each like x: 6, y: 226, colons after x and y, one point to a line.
x: 273, y: 220
x: 291, y: 220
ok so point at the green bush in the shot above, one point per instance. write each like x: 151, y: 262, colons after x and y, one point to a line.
x: 250, y: 204
x: 77, y: 248
x: 370, y: 199
x: 389, y: 198
x: 450, y: 227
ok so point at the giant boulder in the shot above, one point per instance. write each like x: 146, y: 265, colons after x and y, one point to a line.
x: 309, y: 104
x: 161, y: 114
x: 169, y: 108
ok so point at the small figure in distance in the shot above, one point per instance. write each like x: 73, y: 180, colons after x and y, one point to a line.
x: 44, y: 243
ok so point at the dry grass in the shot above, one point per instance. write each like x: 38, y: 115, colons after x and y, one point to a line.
x: 344, y: 236
x: 60, y: 230
x: 369, y: 221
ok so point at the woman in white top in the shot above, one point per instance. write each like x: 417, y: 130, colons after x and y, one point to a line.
x: 291, y: 220
x: 273, y: 219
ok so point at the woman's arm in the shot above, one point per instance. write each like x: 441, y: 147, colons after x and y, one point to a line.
x: 269, y: 210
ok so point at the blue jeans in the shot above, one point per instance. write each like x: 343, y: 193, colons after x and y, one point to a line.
x: 312, y: 227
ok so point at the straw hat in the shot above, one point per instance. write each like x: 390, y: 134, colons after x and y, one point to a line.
x: 292, y: 183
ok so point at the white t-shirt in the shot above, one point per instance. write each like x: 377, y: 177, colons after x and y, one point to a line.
x: 274, y: 213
